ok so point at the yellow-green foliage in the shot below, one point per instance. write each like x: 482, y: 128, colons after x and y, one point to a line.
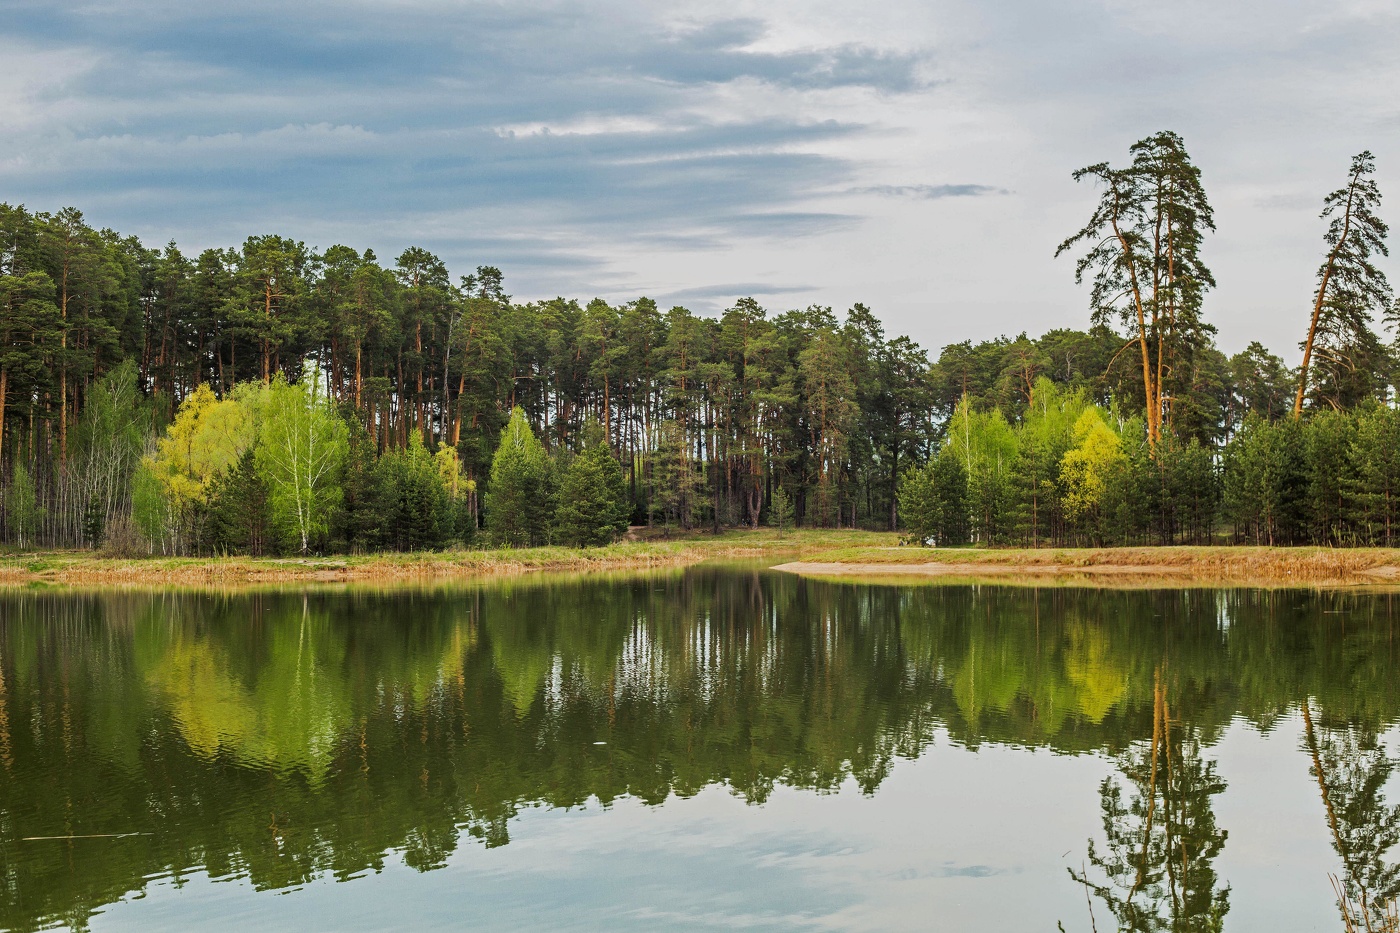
x: 449, y: 466
x: 207, y: 438
x: 1087, y: 467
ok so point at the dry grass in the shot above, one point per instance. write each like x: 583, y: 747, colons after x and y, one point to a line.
x: 1250, y: 566
x: 843, y: 554
x: 87, y: 567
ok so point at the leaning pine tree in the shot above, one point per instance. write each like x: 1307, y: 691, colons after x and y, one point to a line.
x: 1349, y: 286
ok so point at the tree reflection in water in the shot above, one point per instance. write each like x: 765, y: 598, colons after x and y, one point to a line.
x: 1351, y: 768
x: 1158, y: 864
x: 281, y: 736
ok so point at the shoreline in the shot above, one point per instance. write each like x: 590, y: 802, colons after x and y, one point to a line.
x: 88, y: 568
x: 849, y: 555
x: 1172, y: 566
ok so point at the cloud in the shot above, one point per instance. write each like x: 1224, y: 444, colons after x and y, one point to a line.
x: 605, y: 124
x: 737, y: 290
x: 595, y: 146
x: 930, y: 191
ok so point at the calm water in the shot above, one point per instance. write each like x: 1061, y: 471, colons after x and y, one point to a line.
x: 709, y: 749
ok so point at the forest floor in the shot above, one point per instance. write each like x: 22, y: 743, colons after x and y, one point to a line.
x: 1114, y: 566
x: 644, y: 548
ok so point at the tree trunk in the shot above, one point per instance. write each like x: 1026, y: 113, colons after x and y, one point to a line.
x: 1147, y: 382
x: 1317, y: 305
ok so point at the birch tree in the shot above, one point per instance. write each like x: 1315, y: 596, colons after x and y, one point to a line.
x: 301, y: 446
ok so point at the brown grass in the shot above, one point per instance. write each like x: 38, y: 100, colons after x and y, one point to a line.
x: 89, y: 568
x: 1219, y: 566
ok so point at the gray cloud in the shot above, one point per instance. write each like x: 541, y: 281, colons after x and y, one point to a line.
x: 590, y: 148
x: 193, y: 122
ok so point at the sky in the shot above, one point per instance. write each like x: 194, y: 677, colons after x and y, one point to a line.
x: 914, y: 156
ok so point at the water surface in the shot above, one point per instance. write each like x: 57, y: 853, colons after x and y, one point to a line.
x: 713, y: 748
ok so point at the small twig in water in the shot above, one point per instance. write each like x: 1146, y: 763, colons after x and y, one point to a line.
x: 84, y: 836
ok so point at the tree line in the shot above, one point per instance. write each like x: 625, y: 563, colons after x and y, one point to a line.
x: 276, y: 397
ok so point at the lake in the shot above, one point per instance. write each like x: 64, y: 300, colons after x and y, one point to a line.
x: 719, y: 747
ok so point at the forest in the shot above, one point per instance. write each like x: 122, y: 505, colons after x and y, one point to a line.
x: 277, y: 398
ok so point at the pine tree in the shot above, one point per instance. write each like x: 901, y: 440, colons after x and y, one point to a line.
x: 1349, y: 285
x: 1144, y: 241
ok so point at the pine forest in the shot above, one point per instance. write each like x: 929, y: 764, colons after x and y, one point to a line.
x: 278, y: 398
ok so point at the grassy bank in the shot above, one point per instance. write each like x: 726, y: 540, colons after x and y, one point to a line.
x: 829, y: 554
x: 1132, y: 566
x: 87, y: 567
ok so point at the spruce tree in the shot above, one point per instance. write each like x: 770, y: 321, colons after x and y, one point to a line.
x: 519, y: 501
x: 592, y: 494
x: 412, y: 501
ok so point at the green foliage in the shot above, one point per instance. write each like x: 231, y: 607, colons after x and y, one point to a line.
x: 237, y: 519
x: 301, y: 446
x: 1375, y: 475
x: 593, y: 507
x: 413, y: 502
x: 102, y: 340
x: 933, y: 502
x: 780, y: 510
x: 1088, y: 471
x: 986, y: 444
x: 206, y: 439
x: 23, y: 513
x: 520, y: 497
x: 357, y: 524
x: 1266, y: 480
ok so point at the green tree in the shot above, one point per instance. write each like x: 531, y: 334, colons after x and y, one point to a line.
x: 593, y: 507
x: 23, y: 514
x: 780, y: 510
x: 301, y: 446
x: 986, y: 445
x: 413, y: 501
x: 358, y: 523
x: 519, y: 499
x: 1374, y: 461
x: 30, y: 324
x: 206, y: 439
x: 933, y: 501
x: 1087, y: 471
x: 1143, y: 248
x: 237, y: 519
x: 1349, y: 285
